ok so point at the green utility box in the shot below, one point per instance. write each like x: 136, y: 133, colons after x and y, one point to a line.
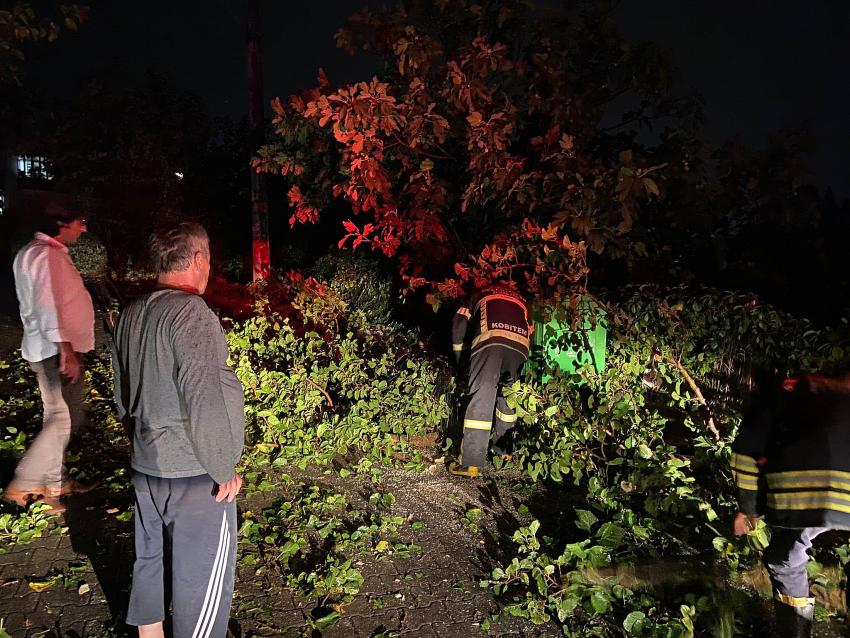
x: 556, y: 344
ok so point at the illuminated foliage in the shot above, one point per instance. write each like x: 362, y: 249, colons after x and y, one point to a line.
x: 476, y: 154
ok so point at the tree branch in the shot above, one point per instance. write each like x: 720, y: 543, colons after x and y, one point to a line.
x: 697, y: 393
x: 322, y: 390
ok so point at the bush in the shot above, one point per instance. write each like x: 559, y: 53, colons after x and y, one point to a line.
x: 649, y: 476
x: 361, y: 283
x: 316, y: 395
x: 89, y: 256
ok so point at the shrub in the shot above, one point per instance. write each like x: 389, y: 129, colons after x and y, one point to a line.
x: 89, y: 255
x: 649, y: 475
x: 316, y: 396
x: 361, y: 283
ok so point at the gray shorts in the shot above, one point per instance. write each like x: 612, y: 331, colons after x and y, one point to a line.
x: 179, y: 518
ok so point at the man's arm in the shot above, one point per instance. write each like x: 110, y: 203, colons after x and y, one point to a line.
x: 747, y: 460
x: 50, y: 286
x: 746, y: 471
x: 69, y: 362
x: 198, y: 341
x: 460, y: 322
x: 120, y: 391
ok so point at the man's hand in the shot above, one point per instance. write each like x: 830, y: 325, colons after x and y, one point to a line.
x: 69, y: 364
x: 744, y: 523
x: 229, y: 490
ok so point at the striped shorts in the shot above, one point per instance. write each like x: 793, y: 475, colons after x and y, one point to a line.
x: 184, y: 535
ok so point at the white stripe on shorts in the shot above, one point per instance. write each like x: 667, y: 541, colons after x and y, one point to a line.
x: 209, y: 608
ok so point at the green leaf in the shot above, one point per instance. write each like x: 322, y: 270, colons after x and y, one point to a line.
x: 585, y: 519
x: 634, y: 621
x: 600, y: 602
x: 611, y: 535
x: 325, y: 622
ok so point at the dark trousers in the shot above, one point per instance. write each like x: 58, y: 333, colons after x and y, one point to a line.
x: 182, y: 513
x: 786, y: 558
x: 487, y: 413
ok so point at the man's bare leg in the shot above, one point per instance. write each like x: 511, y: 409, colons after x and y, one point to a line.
x: 151, y: 631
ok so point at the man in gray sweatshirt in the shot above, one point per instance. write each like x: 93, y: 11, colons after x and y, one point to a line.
x: 183, y: 407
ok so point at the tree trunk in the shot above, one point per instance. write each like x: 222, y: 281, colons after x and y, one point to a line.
x: 259, y: 200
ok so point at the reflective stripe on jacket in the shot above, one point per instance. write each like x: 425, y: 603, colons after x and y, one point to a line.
x: 791, y: 459
x: 494, y: 315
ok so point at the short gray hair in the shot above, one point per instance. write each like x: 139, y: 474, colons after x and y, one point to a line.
x: 172, y: 250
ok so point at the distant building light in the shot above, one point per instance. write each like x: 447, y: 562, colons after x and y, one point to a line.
x: 33, y: 167
x: 178, y: 175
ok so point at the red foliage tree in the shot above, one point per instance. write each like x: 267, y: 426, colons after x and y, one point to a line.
x: 477, y: 156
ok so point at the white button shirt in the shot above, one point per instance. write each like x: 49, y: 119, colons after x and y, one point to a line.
x: 55, y: 305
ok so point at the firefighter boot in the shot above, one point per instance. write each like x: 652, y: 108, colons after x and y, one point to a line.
x: 792, y: 621
x: 500, y: 453
x: 469, y: 471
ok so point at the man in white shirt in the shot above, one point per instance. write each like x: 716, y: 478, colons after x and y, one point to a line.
x: 58, y: 318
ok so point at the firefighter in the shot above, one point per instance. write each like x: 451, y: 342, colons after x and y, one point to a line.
x: 791, y: 464
x: 494, y: 328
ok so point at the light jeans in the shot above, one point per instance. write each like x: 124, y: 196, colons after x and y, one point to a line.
x: 64, y: 412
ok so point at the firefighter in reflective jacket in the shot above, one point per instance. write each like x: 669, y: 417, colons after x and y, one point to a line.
x: 493, y: 326
x: 791, y: 464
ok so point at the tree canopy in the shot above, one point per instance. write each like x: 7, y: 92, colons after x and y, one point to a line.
x: 477, y: 155
x: 19, y: 26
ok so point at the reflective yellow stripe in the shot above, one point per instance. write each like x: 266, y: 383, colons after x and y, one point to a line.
x: 747, y: 469
x: 473, y: 424
x: 506, y: 334
x: 809, y: 478
x: 737, y: 470
x: 513, y: 300
x: 745, y: 481
x: 465, y: 312
x: 457, y: 347
x: 793, y: 601
x: 744, y: 462
x: 506, y: 418
x: 825, y: 500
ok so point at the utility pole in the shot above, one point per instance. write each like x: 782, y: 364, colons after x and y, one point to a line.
x: 259, y: 200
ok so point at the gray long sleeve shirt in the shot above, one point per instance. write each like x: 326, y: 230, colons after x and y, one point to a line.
x: 174, y: 390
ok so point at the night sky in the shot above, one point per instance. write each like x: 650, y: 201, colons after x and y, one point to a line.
x: 761, y: 66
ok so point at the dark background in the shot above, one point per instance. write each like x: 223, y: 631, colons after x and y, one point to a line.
x: 760, y: 66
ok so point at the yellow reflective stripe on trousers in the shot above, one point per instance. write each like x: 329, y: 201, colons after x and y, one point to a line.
x: 794, y: 601
x: 505, y: 334
x: 474, y: 424
x: 821, y: 500
x: 506, y: 418
x: 809, y: 478
x: 457, y: 347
